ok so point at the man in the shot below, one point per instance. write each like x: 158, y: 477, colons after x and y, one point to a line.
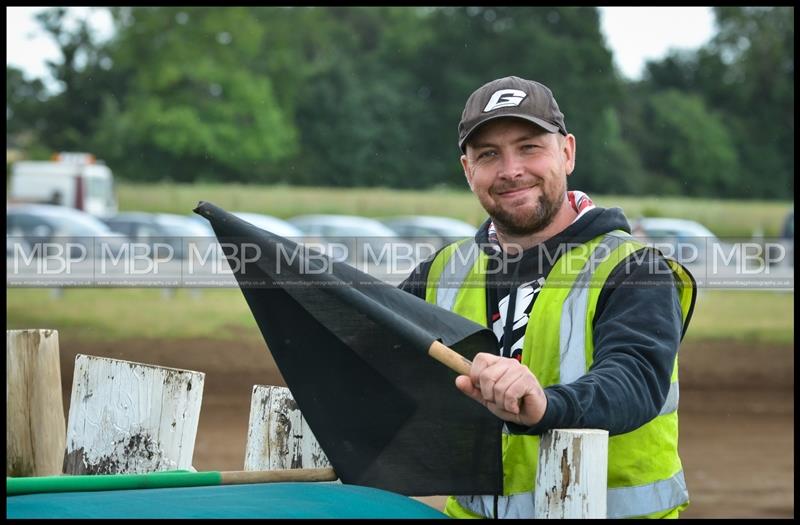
x: 588, y: 320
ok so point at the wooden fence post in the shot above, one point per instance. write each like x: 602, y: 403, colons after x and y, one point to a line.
x: 34, y: 407
x: 571, y: 480
x: 278, y: 436
x: 131, y: 418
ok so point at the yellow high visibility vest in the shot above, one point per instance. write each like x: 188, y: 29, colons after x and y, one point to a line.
x: 645, y: 476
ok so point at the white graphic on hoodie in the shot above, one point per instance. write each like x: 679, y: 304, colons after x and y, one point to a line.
x: 522, y: 310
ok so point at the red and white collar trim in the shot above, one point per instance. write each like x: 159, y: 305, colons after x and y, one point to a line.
x: 579, y: 201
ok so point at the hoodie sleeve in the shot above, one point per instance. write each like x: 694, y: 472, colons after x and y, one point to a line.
x: 637, y: 330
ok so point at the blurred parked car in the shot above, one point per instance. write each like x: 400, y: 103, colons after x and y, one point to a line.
x: 687, y: 241
x: 430, y: 229
x: 201, y: 221
x: 271, y: 224
x: 177, y: 231
x: 265, y: 222
x: 346, y: 237
x: 31, y: 227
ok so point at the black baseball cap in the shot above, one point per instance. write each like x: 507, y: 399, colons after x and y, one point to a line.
x: 510, y: 97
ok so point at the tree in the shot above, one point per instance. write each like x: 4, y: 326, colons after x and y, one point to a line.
x: 197, y: 107
x: 85, y: 75
x: 745, y: 75
x: 690, y: 146
x: 23, y: 98
x: 758, y: 45
x: 364, y: 96
x: 613, y: 165
x: 357, y: 112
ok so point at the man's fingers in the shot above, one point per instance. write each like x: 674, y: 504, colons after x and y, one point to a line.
x: 520, y: 389
x: 464, y: 383
x: 507, y: 388
x: 487, y: 382
x: 496, y: 378
x: 479, y: 364
x: 504, y: 386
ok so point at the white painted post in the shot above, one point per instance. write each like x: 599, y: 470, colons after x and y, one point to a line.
x: 278, y: 436
x: 131, y: 418
x: 571, y: 479
x: 34, y: 408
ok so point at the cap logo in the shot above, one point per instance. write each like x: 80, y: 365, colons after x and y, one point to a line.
x: 505, y: 98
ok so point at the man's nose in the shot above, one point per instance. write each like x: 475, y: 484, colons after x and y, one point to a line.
x: 510, y: 166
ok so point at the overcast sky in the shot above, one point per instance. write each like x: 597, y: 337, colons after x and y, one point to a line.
x: 634, y: 34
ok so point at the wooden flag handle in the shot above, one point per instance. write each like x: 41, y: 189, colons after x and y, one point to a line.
x: 453, y: 360
x: 238, y: 477
x: 450, y: 358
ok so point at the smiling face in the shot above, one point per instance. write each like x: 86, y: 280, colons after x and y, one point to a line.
x: 519, y: 173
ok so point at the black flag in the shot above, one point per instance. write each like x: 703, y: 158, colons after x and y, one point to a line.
x: 353, y: 351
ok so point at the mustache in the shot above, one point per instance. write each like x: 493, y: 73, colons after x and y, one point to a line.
x: 506, y: 186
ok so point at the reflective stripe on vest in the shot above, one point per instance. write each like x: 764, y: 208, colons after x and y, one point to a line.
x: 572, y: 339
x: 516, y: 506
x: 572, y: 336
x: 626, y: 502
x: 671, y: 403
x: 623, y: 501
x: 450, y: 283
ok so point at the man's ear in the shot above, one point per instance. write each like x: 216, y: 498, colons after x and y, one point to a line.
x: 568, y: 150
x: 467, y: 171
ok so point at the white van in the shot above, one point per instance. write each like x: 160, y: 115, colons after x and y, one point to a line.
x: 75, y: 180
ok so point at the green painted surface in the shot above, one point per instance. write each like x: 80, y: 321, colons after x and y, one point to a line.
x: 265, y: 500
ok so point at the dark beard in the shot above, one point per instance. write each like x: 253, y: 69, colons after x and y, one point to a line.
x: 535, y: 223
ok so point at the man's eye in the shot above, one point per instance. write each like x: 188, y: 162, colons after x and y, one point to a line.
x: 486, y: 154
x: 528, y: 147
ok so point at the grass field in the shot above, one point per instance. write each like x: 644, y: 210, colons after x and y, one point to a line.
x: 130, y: 313
x: 724, y: 218
x: 222, y: 314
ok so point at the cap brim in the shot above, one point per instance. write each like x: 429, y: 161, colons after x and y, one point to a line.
x: 547, y: 126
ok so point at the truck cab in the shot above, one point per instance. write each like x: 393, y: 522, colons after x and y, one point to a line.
x: 75, y: 180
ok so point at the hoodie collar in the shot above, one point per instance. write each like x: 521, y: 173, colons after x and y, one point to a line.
x: 591, y: 221
x: 579, y: 201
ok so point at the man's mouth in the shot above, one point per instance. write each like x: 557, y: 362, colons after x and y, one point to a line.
x: 513, y: 192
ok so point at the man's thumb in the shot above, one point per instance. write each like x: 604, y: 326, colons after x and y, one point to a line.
x: 463, y: 383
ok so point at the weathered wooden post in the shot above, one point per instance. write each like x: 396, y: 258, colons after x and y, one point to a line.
x: 131, y: 418
x: 571, y: 479
x: 278, y: 436
x: 34, y: 408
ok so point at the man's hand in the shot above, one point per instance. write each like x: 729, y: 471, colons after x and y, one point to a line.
x: 506, y: 387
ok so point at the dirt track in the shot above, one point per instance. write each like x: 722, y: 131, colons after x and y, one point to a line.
x: 736, y: 415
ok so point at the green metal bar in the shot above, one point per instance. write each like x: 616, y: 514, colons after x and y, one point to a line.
x: 155, y: 480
